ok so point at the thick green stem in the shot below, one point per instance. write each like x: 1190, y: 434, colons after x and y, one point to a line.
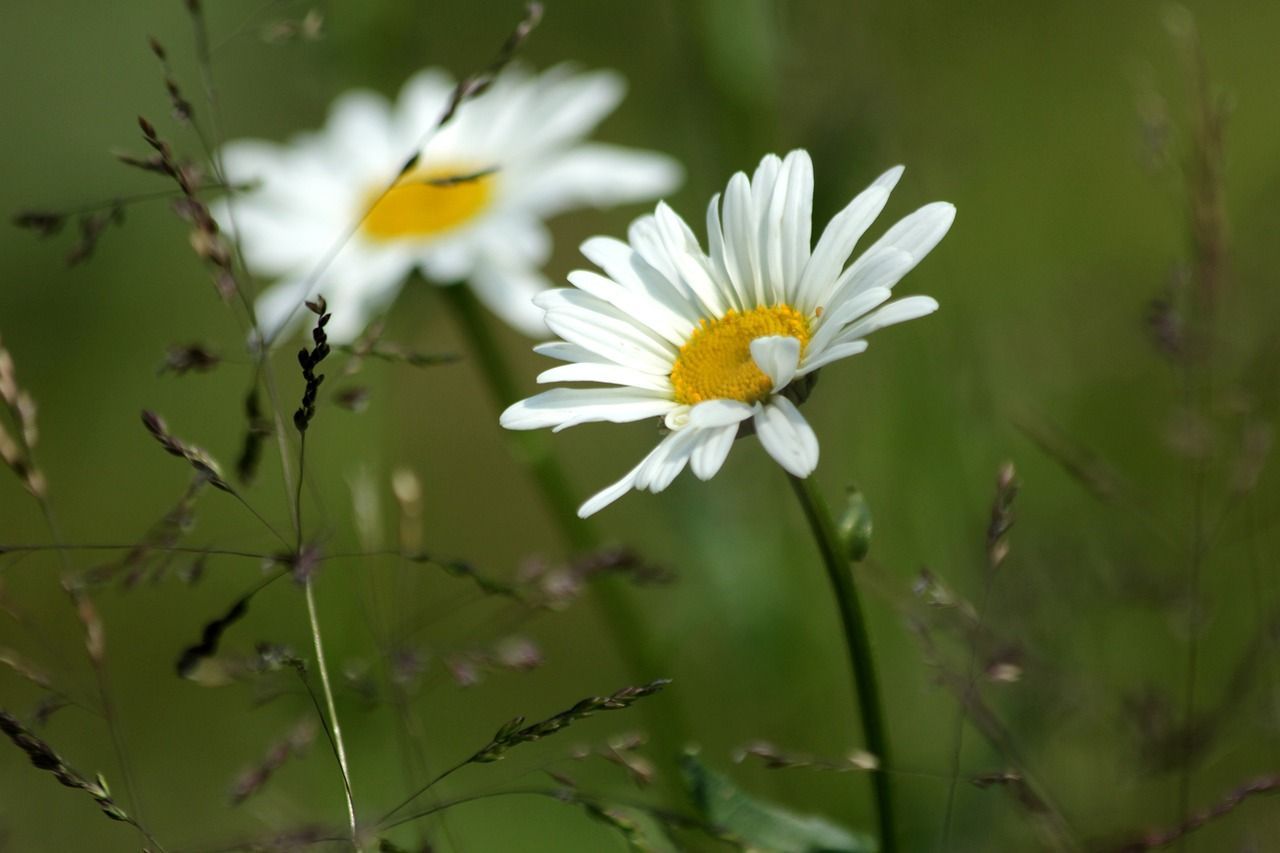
x: 533, y: 450
x: 858, y: 644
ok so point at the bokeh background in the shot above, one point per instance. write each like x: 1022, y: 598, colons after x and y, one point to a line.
x: 1034, y: 119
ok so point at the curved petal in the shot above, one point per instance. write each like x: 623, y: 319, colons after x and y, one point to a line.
x: 719, y: 413
x: 777, y: 357
x: 835, y: 352
x: 715, y: 253
x: 623, y: 265
x: 916, y: 234
x: 654, y: 314
x: 565, y: 104
x: 787, y: 436
x: 565, y: 351
x: 839, y: 238
x: 611, y: 493
x: 562, y: 408
x: 911, y: 308
x: 883, y: 269
x: 567, y: 303
x: 667, y: 461
x: 711, y: 450
x: 797, y: 222
x: 359, y: 132
x: 508, y: 290
x: 835, y: 321
x: 606, y: 374
x: 739, y: 259
x: 595, y: 175
x: 687, y: 259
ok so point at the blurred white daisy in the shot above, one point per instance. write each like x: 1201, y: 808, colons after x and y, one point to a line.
x: 471, y: 209
x: 710, y: 340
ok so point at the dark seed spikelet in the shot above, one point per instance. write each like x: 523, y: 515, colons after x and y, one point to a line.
x: 205, y: 237
x: 210, y: 637
x: 200, y: 460
x: 45, y: 758
x: 259, y: 429
x: 308, y: 360
x: 44, y: 222
x: 181, y: 359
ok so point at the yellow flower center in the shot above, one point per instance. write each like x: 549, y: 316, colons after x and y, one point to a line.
x: 716, y: 363
x: 426, y: 202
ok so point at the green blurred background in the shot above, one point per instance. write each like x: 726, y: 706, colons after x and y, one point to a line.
x: 1025, y: 115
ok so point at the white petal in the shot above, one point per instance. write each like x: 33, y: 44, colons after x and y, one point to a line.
x: 624, y: 265
x: 797, y: 222
x: 712, y: 449
x: 608, y: 495
x: 509, y: 290
x: 611, y: 493
x: 356, y: 287
x: 719, y: 413
x: 920, y: 231
x: 274, y: 308
x: 358, y: 132
x: 646, y: 240
x: 421, y: 102
x: 567, y: 105
x: 613, y: 344
x: 839, y: 238
x: 565, y: 407
x: 835, y: 352
x: 565, y: 351
x: 653, y: 314
x: 687, y: 259
x: 916, y: 234
x: 562, y: 303
x: 607, y: 374
x: 882, y: 268
x: 901, y: 311
x: 739, y: 239
x: 276, y: 241
x: 596, y: 175
x: 715, y: 252
x: 833, y: 322
x: 667, y: 461
x: 777, y: 357
x: 787, y: 436
x: 771, y: 210
x: 763, y: 179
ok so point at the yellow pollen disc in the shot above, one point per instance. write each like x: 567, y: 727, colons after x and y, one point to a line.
x: 716, y: 363
x: 416, y: 208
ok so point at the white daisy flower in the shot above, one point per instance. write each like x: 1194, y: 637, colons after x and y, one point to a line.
x: 710, y: 340
x: 523, y: 138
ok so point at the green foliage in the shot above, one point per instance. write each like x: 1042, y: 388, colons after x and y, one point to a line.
x: 759, y: 825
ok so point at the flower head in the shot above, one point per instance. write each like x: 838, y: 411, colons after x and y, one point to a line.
x: 708, y: 340
x: 470, y: 209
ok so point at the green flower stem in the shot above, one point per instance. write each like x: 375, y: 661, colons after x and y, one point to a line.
x: 859, y: 646
x: 533, y: 450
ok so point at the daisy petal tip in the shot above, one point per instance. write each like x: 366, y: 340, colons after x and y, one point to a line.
x: 891, y: 177
x: 943, y: 213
